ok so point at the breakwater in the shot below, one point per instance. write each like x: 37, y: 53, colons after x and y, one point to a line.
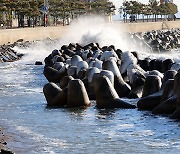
x: 40, y: 33
x: 7, y: 54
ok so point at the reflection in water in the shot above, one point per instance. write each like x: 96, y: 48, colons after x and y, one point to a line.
x: 105, y: 113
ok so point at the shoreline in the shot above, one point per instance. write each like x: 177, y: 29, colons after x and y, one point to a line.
x: 4, y: 139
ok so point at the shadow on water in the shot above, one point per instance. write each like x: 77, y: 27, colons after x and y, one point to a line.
x: 105, y: 113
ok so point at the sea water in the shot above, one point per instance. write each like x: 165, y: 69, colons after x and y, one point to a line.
x: 38, y: 129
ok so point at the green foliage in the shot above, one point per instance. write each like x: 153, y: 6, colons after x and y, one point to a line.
x: 102, y: 7
x: 65, y: 9
x: 171, y: 7
x: 133, y: 7
x: 76, y: 7
x: 153, y: 8
x: 57, y: 8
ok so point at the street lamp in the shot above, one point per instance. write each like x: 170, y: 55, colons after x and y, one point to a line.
x: 124, y: 11
x: 45, y: 10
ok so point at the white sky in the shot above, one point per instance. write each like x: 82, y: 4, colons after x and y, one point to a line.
x: 118, y: 3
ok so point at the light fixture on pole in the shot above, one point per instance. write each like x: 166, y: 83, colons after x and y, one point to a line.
x: 45, y: 10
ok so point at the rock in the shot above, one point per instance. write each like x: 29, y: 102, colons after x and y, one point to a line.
x: 106, y: 96
x: 149, y: 102
x: 51, y: 90
x: 166, y: 107
x: 152, y: 85
x: 53, y: 75
x: 65, y: 80
x: 38, y: 63
x: 77, y: 95
x: 176, y: 114
x: 55, y: 96
x: 3, y: 151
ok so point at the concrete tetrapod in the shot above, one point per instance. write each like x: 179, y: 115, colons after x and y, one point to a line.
x: 106, y: 95
x: 77, y: 95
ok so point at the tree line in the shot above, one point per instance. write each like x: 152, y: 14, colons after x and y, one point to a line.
x: 153, y: 9
x: 33, y: 10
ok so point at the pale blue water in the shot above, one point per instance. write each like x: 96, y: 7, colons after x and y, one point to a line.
x: 38, y: 129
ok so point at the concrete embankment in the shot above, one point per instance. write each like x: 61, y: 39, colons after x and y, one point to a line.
x: 30, y: 34
x: 40, y: 33
x: 146, y: 26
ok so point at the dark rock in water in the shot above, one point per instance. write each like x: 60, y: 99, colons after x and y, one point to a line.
x: 61, y: 99
x: 111, y: 47
x: 177, y: 89
x: 122, y: 88
x: 55, y: 96
x: 144, y: 64
x: 119, y: 53
x: 60, y: 59
x: 78, y: 46
x: 77, y: 95
x: 81, y: 74
x: 48, y: 61
x: 170, y: 74
x: 65, y: 80
x: 136, y: 92
x: 166, y: 65
x: 72, y: 70
x: 161, y: 41
x: 58, y: 65
x: 152, y: 65
x: 108, y: 74
x: 64, y: 47
x: 152, y: 85
x: 3, y: 151
x: 176, y: 114
x: 51, y: 90
x: 104, y: 48
x: 94, y: 48
x: 69, y: 52
x: 72, y: 45
x: 106, y: 96
x: 38, y: 63
x: 135, y: 54
x: 149, y: 102
x: 53, y: 75
x: 168, y: 90
x: 7, y: 54
x: 166, y: 107
x: 55, y: 52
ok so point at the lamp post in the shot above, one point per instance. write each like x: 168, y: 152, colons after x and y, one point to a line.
x: 45, y: 10
x: 124, y: 11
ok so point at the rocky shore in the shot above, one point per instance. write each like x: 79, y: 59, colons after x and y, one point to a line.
x: 159, y: 40
x: 7, y: 54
